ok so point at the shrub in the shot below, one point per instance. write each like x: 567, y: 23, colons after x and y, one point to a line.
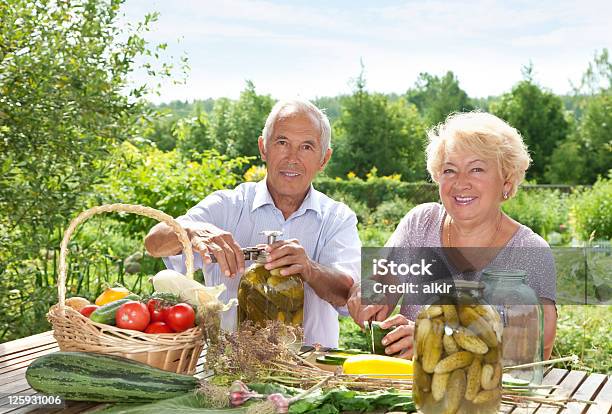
x: 375, y: 226
x: 543, y: 211
x: 371, y: 236
x: 389, y: 213
x: 164, y: 180
x: 255, y: 173
x: 374, y: 189
x: 591, y: 211
x: 359, y: 207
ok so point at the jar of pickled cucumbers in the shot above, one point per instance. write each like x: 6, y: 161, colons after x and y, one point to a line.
x: 522, y: 318
x: 457, y: 354
x: 267, y: 295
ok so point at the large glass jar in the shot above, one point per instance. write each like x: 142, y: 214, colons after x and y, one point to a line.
x: 457, y: 354
x: 523, y: 321
x: 267, y: 295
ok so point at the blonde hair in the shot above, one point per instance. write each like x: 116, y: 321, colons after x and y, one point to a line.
x: 482, y: 134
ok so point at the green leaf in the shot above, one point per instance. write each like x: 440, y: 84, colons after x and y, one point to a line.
x: 273, y: 388
x: 304, y: 405
x: 186, y: 404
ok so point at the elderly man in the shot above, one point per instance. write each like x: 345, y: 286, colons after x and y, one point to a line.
x: 321, y: 241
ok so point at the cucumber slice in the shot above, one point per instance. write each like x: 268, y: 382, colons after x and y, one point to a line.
x: 343, y: 351
x: 509, y: 380
x: 332, y: 357
x: 326, y: 361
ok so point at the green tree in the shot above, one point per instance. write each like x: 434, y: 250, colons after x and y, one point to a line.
x: 247, y: 120
x: 220, y: 122
x: 235, y: 125
x: 175, y: 118
x: 539, y: 117
x: 158, y: 129
x: 437, y: 97
x: 589, y: 148
x: 331, y: 105
x: 193, y: 134
x: 595, y: 128
x: 182, y: 109
x: 569, y: 152
x: 373, y: 132
x: 595, y: 132
x: 598, y: 76
x: 64, y: 103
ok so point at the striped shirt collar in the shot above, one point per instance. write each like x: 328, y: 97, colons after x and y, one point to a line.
x: 312, y: 201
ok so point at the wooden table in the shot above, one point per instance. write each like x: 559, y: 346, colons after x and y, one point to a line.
x: 15, y: 357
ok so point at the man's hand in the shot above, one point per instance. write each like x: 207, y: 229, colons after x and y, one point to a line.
x: 208, y: 240
x: 331, y: 285
x: 361, y: 313
x: 291, y: 254
x: 401, y: 339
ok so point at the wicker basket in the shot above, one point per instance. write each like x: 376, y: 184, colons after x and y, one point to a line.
x: 177, y: 352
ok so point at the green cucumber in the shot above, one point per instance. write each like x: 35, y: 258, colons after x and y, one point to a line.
x: 106, y: 313
x: 374, y: 336
x: 85, y: 376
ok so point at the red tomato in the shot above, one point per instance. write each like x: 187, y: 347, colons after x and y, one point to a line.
x: 88, y: 310
x: 180, y: 317
x: 158, y: 327
x: 133, y: 315
x: 156, y: 310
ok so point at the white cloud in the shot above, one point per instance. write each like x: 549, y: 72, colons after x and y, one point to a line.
x: 294, y: 47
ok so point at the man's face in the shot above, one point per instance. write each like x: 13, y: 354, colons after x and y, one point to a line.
x: 293, y: 154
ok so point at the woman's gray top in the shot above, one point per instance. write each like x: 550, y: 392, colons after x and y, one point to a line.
x: 526, y: 250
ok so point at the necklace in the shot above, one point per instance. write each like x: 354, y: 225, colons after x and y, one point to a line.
x: 499, y: 220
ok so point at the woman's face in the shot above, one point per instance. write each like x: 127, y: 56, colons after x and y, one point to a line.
x: 471, y: 187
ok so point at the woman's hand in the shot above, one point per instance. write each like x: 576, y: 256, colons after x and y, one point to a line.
x: 401, y: 339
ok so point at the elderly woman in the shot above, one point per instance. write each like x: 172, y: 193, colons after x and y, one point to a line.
x: 478, y: 162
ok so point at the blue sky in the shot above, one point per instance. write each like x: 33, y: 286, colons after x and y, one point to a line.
x: 313, y: 48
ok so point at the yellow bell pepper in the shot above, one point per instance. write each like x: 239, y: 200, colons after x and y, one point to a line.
x: 111, y: 294
x: 378, y: 366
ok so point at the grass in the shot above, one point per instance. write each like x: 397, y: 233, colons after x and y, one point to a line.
x: 585, y: 331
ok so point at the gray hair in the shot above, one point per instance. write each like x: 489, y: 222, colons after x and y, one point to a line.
x: 299, y: 106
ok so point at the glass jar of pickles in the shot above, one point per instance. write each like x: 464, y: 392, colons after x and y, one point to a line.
x: 267, y: 295
x: 522, y: 318
x: 457, y: 357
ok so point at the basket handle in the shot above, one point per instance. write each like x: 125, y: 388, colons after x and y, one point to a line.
x: 121, y: 208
